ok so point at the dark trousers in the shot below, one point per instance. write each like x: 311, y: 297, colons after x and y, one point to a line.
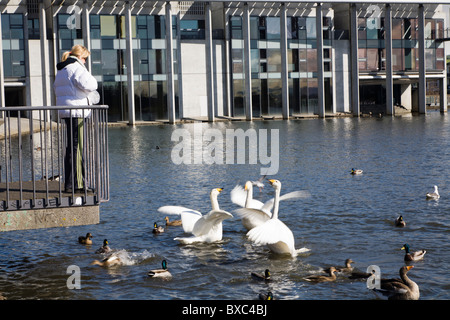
x: 74, y: 155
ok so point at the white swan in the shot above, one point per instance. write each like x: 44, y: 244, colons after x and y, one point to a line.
x: 273, y: 233
x: 244, y: 198
x: 205, y: 228
x: 433, y: 195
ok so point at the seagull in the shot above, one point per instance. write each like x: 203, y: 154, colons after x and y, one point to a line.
x: 433, y: 195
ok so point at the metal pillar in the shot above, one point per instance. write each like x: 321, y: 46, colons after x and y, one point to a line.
x: 284, y: 64
x: 422, y: 67
x: 320, y: 76
x: 129, y: 63
x: 354, y: 60
x: 209, y: 63
x: 388, y: 45
x: 169, y: 65
x: 247, y: 64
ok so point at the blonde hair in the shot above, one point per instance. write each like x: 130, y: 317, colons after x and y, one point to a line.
x: 78, y: 51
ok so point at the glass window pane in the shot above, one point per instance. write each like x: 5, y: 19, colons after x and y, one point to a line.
x: 272, y: 28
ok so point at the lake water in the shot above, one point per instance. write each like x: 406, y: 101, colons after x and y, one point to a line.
x: 345, y: 217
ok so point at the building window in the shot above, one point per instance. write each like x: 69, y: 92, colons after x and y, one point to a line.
x: 13, y: 45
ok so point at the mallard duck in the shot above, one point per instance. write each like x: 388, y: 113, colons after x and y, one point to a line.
x: 356, y: 171
x: 323, y: 278
x: 433, y: 195
x: 265, y: 276
x: 109, y: 261
x: 105, y: 248
x: 399, y: 289
x: 347, y: 267
x: 172, y: 223
x: 157, y: 229
x: 160, y: 273
x: 266, y: 296
x: 413, y: 256
x: 85, y: 240
x: 400, y: 222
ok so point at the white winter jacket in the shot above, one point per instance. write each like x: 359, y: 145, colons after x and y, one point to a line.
x: 74, y: 86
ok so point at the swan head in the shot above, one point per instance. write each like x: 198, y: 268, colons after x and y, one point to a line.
x: 405, y: 247
x: 216, y: 191
x: 275, y: 183
x: 248, y: 186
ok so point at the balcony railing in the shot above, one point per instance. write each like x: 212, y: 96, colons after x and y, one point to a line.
x: 33, y: 143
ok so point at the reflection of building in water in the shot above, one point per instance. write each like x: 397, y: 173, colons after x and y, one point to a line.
x: 232, y: 59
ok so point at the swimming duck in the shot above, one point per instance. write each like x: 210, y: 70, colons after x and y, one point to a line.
x: 105, y: 248
x: 433, y: 195
x: 172, y: 223
x: 356, y: 171
x: 347, y: 268
x: 109, y: 261
x: 323, y: 278
x: 160, y: 273
x: 265, y: 276
x: 400, y: 289
x: 400, y: 222
x: 266, y: 296
x: 85, y: 240
x: 413, y: 256
x: 157, y: 229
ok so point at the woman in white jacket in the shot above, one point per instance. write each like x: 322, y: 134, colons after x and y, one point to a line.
x: 74, y: 86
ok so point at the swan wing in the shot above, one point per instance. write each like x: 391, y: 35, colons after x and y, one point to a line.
x: 189, y: 218
x: 302, y: 194
x: 210, y: 222
x: 272, y: 231
x: 238, y: 196
x: 175, y: 210
x: 254, y: 216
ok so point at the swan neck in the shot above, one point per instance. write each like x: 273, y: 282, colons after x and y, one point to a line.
x: 249, y: 197
x: 214, y: 202
x: 406, y: 280
x: 276, y: 204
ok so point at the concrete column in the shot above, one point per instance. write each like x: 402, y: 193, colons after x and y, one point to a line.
x: 228, y: 74
x: 209, y: 62
x: 422, y: 68
x: 388, y: 45
x: 443, y: 94
x: 180, y: 69
x: 247, y: 63
x: 86, y: 32
x: 169, y: 65
x: 354, y: 60
x: 2, y: 78
x: 46, y: 89
x: 284, y: 63
x: 129, y: 64
x: 320, y: 77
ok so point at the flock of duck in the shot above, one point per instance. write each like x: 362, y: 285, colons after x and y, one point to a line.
x: 261, y: 220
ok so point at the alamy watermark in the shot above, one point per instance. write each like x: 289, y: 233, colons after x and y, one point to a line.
x: 74, y: 21
x: 212, y: 146
x: 373, y: 21
x: 74, y: 280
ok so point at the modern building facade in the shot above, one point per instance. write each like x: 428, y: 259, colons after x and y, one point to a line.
x: 174, y: 60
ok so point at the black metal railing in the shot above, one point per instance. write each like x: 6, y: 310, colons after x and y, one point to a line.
x: 33, y: 143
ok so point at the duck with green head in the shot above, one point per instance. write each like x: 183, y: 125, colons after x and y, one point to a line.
x: 157, y: 229
x: 412, y: 256
x: 160, y: 273
x: 263, y: 277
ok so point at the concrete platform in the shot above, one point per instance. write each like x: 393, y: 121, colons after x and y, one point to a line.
x: 44, y: 206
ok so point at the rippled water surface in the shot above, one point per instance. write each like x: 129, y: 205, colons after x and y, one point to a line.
x: 345, y: 217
